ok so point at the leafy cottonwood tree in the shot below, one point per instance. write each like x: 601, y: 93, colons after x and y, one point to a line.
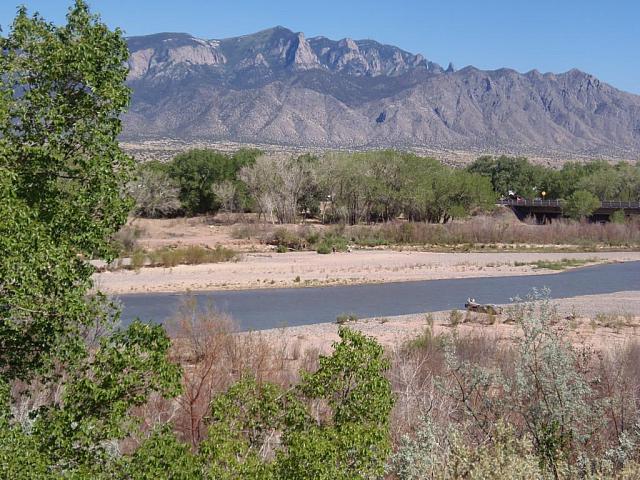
x: 62, y: 197
x: 580, y: 204
x: 195, y: 171
x: 376, y: 186
x: 63, y: 174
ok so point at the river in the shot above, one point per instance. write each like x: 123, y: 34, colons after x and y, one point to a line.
x: 278, y: 307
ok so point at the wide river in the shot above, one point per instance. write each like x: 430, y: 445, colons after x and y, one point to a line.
x: 278, y: 307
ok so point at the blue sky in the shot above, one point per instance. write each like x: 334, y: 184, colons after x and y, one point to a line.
x: 602, y: 38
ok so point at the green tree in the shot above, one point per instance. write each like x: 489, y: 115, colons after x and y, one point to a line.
x: 350, y: 441
x: 68, y: 380
x: 580, y: 204
x: 196, y: 171
x: 161, y: 455
x: 62, y: 177
x: 604, y: 183
x: 509, y: 173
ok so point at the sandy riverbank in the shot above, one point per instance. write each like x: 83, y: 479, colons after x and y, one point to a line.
x: 602, y: 321
x: 295, y: 269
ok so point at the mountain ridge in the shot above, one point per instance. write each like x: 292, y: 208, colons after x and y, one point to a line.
x: 277, y: 86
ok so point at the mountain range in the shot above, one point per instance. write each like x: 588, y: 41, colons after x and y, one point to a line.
x: 279, y: 87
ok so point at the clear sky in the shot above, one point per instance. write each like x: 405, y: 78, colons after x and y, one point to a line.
x: 599, y: 37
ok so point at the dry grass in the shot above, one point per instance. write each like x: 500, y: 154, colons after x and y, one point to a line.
x: 170, y: 257
x: 493, y: 232
x: 561, y: 264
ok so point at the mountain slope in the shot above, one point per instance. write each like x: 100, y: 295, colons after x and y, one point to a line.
x: 277, y: 86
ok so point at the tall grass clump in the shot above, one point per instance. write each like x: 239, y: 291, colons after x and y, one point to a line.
x: 170, y: 257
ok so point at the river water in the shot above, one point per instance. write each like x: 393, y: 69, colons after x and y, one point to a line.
x: 278, y: 307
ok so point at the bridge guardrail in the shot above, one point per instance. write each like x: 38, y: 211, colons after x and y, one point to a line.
x: 559, y: 203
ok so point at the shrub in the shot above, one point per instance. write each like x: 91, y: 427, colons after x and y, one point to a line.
x: 332, y: 242
x: 350, y: 439
x: 346, y: 317
x: 324, y: 249
x: 532, y: 407
x: 424, y: 341
x: 618, y: 217
x: 170, y: 257
x: 125, y: 241
x: 138, y: 259
x: 288, y: 238
x: 455, y: 317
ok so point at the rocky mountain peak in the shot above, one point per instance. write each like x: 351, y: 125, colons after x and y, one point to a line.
x: 300, y: 54
x: 167, y: 51
x: 277, y: 86
x: 349, y: 44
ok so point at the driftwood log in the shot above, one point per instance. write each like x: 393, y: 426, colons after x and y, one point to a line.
x: 488, y: 308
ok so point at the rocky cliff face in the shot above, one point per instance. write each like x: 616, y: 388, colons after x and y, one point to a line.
x: 277, y: 86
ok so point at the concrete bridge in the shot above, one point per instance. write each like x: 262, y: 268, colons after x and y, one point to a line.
x: 546, y: 209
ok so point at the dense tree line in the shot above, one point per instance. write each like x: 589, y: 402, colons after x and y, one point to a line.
x: 620, y: 181
x: 367, y: 187
x: 193, y: 182
x: 351, y: 188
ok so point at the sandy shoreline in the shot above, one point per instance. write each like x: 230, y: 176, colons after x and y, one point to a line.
x: 301, y: 269
x: 392, y: 332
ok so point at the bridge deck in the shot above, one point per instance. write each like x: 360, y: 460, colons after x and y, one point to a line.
x: 554, y: 208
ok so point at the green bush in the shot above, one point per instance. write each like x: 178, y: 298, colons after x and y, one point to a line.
x: 289, y: 239
x: 350, y: 441
x: 346, y: 317
x: 138, y: 259
x: 324, y: 249
x: 333, y: 242
x: 580, y: 204
x: 618, y: 217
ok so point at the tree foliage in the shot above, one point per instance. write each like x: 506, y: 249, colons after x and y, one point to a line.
x: 196, y: 171
x: 68, y: 380
x: 580, y: 204
x: 261, y: 431
x: 379, y: 186
x: 607, y: 182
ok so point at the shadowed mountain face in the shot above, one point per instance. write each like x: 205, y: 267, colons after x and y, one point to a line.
x: 278, y: 87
